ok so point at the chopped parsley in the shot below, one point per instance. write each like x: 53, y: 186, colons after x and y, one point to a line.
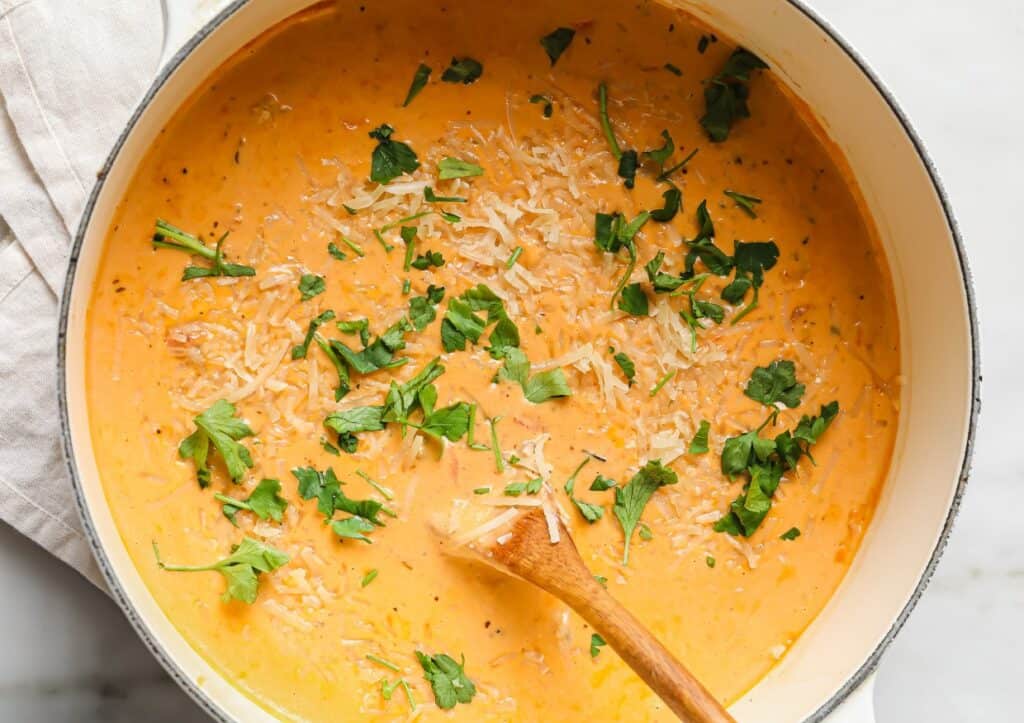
x: 775, y: 384
x: 626, y: 365
x: 430, y: 197
x: 449, y: 168
x: 447, y: 679
x: 542, y: 386
x: 329, y: 448
x: 630, y: 499
x: 352, y: 528
x: 391, y: 158
x: 699, y: 443
x: 673, y: 199
x: 265, y: 502
x: 514, y: 489
x: 369, y: 577
x: 744, y: 201
x: 325, y: 488
x: 613, y: 233
x: 596, y: 643
x: 499, y: 457
x: 463, y: 70
x: 660, y: 155
x: 548, y: 108
x: 425, y: 261
x: 393, y: 667
x: 662, y: 382
x: 419, y: 82
x: 665, y: 174
x: 556, y: 42
x: 311, y: 285
x: 709, y: 561
x: 591, y: 512
x: 514, y: 257
x: 167, y: 236
x: 461, y: 322
x: 422, y: 309
x: 335, y: 252
x: 241, y: 569
x: 356, y: 326
x: 601, y: 484
x: 218, y: 426
x: 725, y: 96
x: 633, y: 300
x: 482, y: 490
x: 763, y: 462
x: 300, y: 350
x: 628, y: 159
x: 791, y: 534
x: 645, y: 532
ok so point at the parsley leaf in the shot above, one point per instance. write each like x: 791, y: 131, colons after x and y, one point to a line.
x: 350, y: 422
x: 167, y: 236
x: 612, y: 233
x: 241, y: 569
x: 356, y: 326
x: 430, y: 197
x: 725, y: 97
x: 596, y: 643
x: 626, y: 365
x: 602, y: 483
x: 451, y: 422
x: 775, y: 383
x: 419, y: 82
x: 422, y: 309
x: 390, y: 158
x: 631, y: 498
x: 556, y: 42
x: 810, y: 428
x: 265, y: 502
x: 447, y: 679
x: 634, y: 301
x: 542, y: 386
x: 660, y: 155
x: 791, y: 534
x: 352, y: 528
x: 299, y: 351
x: 673, y: 201
x: 628, y: 164
x: 325, y: 487
x: 218, y: 426
x: 463, y: 70
x: 335, y: 252
x: 745, y: 202
x: 449, y: 168
x: 699, y: 444
x: 311, y: 285
x: 425, y: 261
x: 549, y: 109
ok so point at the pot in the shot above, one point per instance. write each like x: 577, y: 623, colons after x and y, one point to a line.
x: 828, y: 672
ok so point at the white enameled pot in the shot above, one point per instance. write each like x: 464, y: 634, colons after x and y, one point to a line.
x: 827, y: 673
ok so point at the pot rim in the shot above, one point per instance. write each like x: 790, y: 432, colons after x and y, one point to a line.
x: 211, y: 707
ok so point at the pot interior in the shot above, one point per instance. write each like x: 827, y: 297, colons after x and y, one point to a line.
x: 935, y: 328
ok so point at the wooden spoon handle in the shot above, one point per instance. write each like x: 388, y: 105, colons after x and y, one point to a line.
x: 666, y: 676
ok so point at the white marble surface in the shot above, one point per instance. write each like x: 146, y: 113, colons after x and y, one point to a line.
x: 69, y: 656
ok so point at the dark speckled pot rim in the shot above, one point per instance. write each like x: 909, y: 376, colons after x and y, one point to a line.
x: 151, y: 641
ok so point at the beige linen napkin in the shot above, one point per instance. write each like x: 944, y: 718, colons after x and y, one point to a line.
x: 71, y: 71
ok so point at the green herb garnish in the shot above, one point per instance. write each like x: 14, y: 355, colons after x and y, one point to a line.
x: 311, y: 285
x: 369, y: 577
x: 419, y: 82
x: 775, y: 383
x: 602, y: 484
x: 241, y: 569
x: 626, y: 365
x: 633, y: 300
x: 745, y: 202
x: 218, y: 426
x: 662, y: 382
x: 556, y: 42
x: 299, y: 351
x: 449, y: 168
x: 390, y: 158
x: 549, y: 109
x: 725, y: 97
x: 540, y: 387
x: 265, y: 502
x: 167, y: 236
x: 631, y: 498
x: 462, y: 70
x: 430, y: 197
x: 611, y: 234
x: 596, y: 643
x: 447, y: 679
x: 513, y: 257
x: 673, y: 202
x: 791, y: 534
x: 699, y: 443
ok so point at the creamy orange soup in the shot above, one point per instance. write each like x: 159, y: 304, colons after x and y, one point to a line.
x: 275, y: 150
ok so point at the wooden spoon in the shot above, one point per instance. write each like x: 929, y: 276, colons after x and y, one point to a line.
x: 526, y: 551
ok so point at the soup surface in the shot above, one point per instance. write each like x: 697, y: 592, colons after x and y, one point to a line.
x: 500, y: 173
